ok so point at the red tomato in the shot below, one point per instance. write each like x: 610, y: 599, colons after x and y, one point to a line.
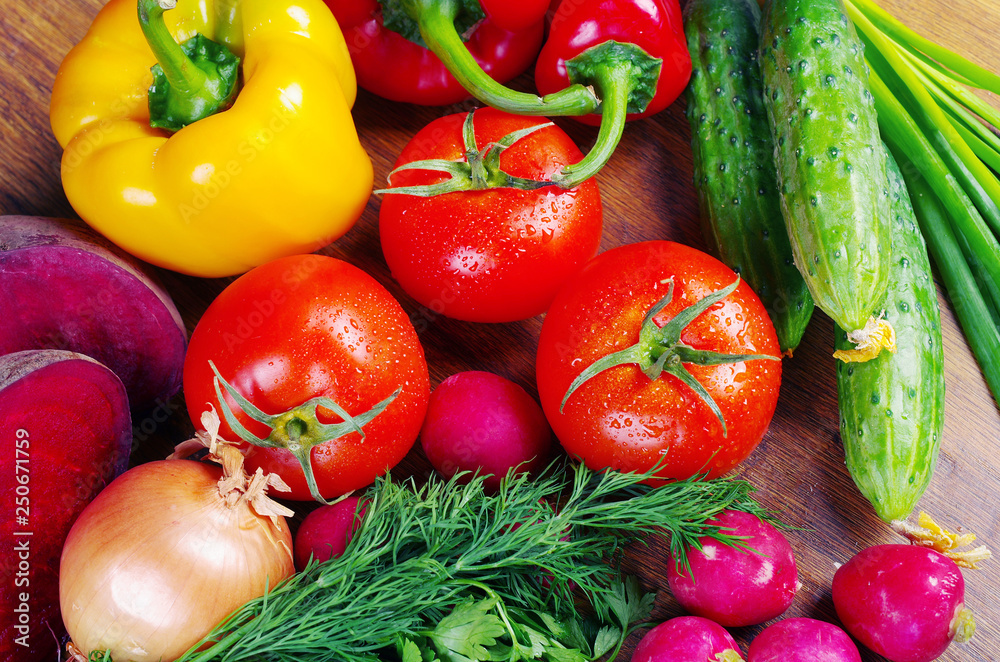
x: 623, y: 419
x: 307, y: 326
x: 494, y: 255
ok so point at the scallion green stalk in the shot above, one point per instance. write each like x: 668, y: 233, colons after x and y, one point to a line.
x: 941, y: 134
x: 972, y: 310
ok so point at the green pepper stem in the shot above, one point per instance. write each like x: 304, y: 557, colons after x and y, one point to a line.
x: 614, y: 83
x: 184, y: 77
x: 436, y: 20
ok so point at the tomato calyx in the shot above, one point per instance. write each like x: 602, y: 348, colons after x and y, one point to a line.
x: 297, y: 430
x: 660, y: 349
x: 478, y: 172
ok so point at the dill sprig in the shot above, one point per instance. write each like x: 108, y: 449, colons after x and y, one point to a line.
x: 502, y: 567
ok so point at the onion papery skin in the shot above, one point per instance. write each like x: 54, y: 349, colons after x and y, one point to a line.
x: 158, y: 559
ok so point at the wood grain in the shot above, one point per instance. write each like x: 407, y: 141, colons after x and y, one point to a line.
x: 799, y: 468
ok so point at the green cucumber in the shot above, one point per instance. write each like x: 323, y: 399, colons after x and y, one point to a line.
x: 892, y: 407
x: 830, y: 160
x: 734, y: 161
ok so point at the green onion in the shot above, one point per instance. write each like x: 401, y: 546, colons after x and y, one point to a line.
x: 970, y: 307
x: 892, y: 27
x: 943, y: 136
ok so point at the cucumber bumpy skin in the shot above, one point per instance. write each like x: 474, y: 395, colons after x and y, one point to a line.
x: 734, y: 161
x: 892, y: 407
x: 830, y: 162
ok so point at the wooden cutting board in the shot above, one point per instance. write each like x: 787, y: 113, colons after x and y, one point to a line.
x: 799, y: 468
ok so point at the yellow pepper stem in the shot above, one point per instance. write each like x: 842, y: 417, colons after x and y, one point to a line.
x: 191, y: 80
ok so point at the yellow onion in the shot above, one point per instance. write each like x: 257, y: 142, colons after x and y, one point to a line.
x: 166, y: 552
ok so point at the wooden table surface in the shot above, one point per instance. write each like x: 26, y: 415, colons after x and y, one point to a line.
x: 647, y: 192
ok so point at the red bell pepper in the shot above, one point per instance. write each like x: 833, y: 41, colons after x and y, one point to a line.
x: 494, y: 39
x: 516, y: 14
x: 623, y: 59
x: 655, y: 26
x: 633, y: 53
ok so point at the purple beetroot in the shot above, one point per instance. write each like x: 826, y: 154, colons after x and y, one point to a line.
x: 905, y: 602
x: 734, y: 586
x: 687, y: 639
x: 65, y: 432
x: 64, y: 287
x: 802, y: 640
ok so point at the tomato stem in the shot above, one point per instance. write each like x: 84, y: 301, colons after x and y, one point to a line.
x: 297, y: 430
x: 660, y: 349
x: 479, y: 171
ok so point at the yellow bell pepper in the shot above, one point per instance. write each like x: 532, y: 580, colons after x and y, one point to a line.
x: 275, y: 171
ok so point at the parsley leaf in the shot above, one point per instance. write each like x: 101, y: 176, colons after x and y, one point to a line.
x: 467, y: 631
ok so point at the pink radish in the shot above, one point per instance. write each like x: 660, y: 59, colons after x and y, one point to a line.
x: 480, y: 422
x: 65, y: 432
x: 733, y: 586
x: 326, y: 531
x: 687, y: 639
x: 65, y: 287
x: 802, y: 640
x: 904, y: 602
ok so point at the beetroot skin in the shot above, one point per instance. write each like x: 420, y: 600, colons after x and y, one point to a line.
x: 65, y: 432
x: 802, y: 640
x: 687, y: 638
x: 65, y: 287
x: 736, y: 587
x: 904, y: 602
x: 481, y: 422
